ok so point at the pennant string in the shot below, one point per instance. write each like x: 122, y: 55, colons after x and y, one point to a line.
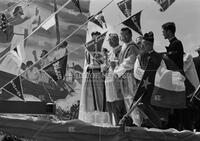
x: 60, y: 42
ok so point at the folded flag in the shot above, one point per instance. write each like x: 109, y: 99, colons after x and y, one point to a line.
x: 169, y: 89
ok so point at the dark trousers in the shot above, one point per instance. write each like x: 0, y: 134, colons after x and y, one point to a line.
x: 118, y: 109
x: 181, y: 119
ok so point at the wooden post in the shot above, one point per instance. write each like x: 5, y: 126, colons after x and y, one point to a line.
x: 57, y: 24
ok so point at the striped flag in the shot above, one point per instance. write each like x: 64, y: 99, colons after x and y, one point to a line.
x: 161, y: 87
x: 169, y: 89
x: 164, y: 4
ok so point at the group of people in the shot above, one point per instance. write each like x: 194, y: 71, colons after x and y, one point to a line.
x: 110, y: 85
x: 33, y: 74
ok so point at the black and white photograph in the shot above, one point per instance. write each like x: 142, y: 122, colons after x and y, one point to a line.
x: 99, y: 70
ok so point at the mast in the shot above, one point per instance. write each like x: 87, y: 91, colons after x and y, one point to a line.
x: 57, y: 24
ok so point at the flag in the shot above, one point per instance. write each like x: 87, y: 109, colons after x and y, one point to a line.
x: 169, y: 89
x: 99, y: 20
x: 6, y: 30
x: 125, y: 7
x: 164, y: 4
x: 49, y: 23
x: 161, y: 88
x: 133, y: 22
x: 57, y: 70
x: 14, y: 87
x: 3, y: 23
x: 144, y: 90
x: 77, y: 4
x: 96, y: 44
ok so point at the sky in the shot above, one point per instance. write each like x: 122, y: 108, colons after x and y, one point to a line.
x: 185, y: 14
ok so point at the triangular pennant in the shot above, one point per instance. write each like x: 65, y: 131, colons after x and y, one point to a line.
x: 96, y: 21
x: 77, y: 4
x: 133, y: 22
x: 125, y: 7
x: 15, y: 88
x: 96, y: 44
x: 101, y: 19
x: 57, y: 69
x: 164, y: 4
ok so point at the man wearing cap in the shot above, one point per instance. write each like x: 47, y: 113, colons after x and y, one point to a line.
x: 124, y: 71
x: 114, y: 97
x: 147, y: 55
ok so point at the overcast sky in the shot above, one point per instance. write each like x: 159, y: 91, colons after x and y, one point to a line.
x: 185, y: 14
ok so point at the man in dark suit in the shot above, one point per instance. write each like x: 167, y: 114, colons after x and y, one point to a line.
x: 175, y: 49
x: 179, y: 117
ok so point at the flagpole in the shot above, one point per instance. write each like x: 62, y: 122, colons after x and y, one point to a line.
x: 194, y: 95
x: 60, y: 42
x: 57, y: 23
